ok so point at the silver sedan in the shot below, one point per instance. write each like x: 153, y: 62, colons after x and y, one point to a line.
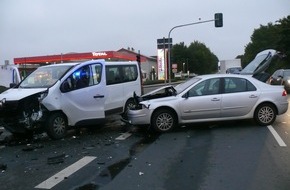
x: 205, y: 98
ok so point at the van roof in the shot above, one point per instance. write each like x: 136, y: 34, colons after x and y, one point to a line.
x: 61, y: 64
x: 91, y: 61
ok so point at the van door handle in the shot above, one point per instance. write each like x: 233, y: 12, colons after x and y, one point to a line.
x: 99, y: 96
x: 215, y: 99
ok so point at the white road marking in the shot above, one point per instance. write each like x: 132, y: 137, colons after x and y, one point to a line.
x: 124, y: 136
x: 57, y: 178
x: 276, y: 136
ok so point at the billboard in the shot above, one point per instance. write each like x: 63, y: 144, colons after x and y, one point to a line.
x: 161, y: 64
x: 163, y: 44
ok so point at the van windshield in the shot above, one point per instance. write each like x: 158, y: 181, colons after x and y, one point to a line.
x: 44, y: 77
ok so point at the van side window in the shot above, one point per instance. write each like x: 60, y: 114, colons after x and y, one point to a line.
x: 116, y: 74
x: 97, y: 73
x: 130, y: 73
x: 84, y: 77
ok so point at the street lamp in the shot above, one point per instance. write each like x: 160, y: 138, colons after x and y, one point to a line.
x: 218, y: 17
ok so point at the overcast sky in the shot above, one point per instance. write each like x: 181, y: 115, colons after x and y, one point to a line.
x: 45, y: 27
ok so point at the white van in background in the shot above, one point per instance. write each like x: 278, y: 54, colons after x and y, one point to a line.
x: 9, y: 76
x: 55, y: 97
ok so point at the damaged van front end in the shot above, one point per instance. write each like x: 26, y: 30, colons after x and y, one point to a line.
x: 22, y: 112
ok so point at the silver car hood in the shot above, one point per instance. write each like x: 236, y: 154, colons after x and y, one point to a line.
x: 15, y: 94
x: 162, y: 92
x: 156, y: 90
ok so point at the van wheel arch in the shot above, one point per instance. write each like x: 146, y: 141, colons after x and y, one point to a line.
x: 130, y: 103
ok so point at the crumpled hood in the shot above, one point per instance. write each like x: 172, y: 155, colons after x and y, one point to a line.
x: 15, y: 94
x: 156, y: 90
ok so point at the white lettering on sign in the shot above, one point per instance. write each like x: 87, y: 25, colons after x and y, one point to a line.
x: 99, y: 54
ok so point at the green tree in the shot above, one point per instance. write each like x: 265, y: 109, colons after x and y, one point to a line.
x: 196, y: 57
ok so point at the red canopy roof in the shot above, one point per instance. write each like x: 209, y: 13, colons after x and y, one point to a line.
x: 76, y: 57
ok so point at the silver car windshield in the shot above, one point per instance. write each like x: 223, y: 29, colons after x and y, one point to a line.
x: 44, y: 77
x: 181, y: 87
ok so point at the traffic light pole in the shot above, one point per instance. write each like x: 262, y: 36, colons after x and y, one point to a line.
x: 179, y: 26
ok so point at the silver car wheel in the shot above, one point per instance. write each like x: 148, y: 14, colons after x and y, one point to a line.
x: 163, y: 120
x: 265, y: 114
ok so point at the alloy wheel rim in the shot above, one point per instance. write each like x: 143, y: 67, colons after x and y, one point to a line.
x: 164, y: 122
x: 59, y: 125
x: 266, y: 114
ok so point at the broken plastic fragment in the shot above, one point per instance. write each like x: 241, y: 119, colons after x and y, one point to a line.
x: 3, y: 167
x: 56, y: 159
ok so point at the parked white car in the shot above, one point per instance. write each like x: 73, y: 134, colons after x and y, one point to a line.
x: 216, y: 97
x: 55, y: 97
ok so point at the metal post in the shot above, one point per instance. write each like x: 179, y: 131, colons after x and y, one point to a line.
x: 164, y: 56
x: 178, y: 26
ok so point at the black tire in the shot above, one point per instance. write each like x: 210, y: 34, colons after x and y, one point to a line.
x: 163, y: 120
x: 129, y: 104
x: 56, y: 126
x: 265, y: 114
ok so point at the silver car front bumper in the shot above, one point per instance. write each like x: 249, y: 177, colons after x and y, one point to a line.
x: 139, y: 117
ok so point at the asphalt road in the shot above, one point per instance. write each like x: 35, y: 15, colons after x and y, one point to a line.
x: 232, y: 155
x: 225, y: 155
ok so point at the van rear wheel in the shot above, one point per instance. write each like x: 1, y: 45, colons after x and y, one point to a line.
x: 56, y: 126
x: 129, y: 104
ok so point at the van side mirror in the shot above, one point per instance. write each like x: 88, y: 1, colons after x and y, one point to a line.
x: 12, y: 85
x: 64, y: 87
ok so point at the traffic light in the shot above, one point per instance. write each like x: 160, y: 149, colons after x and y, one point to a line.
x: 138, y: 58
x: 218, y: 19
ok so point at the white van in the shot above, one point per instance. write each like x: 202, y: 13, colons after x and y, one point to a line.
x: 55, y: 97
x: 9, y: 75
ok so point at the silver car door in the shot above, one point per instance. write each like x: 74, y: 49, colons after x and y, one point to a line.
x: 202, y: 101
x: 239, y: 97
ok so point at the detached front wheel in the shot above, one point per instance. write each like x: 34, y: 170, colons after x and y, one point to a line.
x: 56, y: 126
x: 163, y: 120
x: 265, y: 114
